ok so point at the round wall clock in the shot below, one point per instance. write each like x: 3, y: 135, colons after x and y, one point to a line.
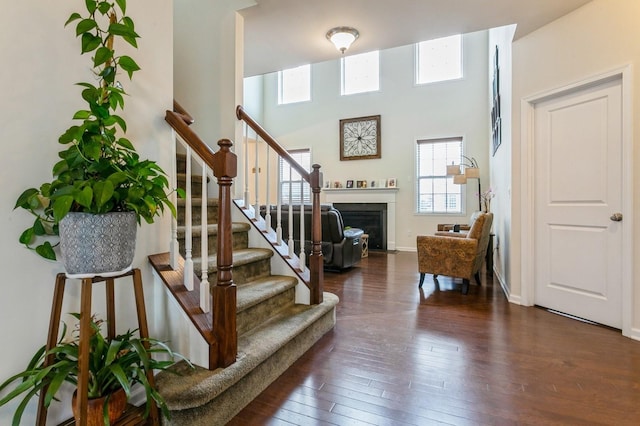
x: 360, y: 138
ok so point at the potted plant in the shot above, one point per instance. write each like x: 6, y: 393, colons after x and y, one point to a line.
x: 99, y: 176
x: 114, y: 367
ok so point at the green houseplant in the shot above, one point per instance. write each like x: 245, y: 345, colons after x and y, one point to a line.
x: 98, y: 171
x: 114, y: 365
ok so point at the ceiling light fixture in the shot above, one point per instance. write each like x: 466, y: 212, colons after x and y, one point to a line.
x: 342, y: 37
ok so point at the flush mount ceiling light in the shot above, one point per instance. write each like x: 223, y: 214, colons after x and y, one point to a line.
x: 342, y: 37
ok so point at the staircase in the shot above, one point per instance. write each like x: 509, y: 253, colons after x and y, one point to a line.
x: 272, y: 330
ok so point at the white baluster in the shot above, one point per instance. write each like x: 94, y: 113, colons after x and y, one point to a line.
x: 246, y: 166
x: 279, y: 211
x: 267, y: 217
x: 291, y: 244
x: 256, y: 206
x: 205, y: 294
x: 188, y: 243
x: 174, y: 245
x: 302, y: 236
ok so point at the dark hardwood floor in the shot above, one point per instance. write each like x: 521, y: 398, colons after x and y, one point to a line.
x: 401, y: 356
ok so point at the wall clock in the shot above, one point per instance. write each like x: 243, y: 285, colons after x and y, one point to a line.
x: 360, y: 138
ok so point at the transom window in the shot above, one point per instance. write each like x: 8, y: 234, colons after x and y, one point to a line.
x: 439, y: 59
x: 293, y: 187
x: 436, y: 192
x: 294, y: 85
x: 361, y: 73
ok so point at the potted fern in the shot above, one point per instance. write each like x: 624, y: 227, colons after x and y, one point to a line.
x: 115, y: 366
x: 100, y: 177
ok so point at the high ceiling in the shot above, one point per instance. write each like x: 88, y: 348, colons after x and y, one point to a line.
x: 282, y: 34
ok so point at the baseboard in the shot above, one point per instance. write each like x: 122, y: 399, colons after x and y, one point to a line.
x: 505, y: 289
x: 635, y: 334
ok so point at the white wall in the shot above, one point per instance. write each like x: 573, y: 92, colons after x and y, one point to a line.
x: 408, y: 112
x: 600, y: 36
x: 208, y: 68
x: 41, y: 64
x: 501, y: 168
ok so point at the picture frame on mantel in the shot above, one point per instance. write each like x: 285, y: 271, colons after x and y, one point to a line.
x: 360, y: 138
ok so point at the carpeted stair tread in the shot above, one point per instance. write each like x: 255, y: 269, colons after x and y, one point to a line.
x: 195, y: 388
x: 240, y: 257
x: 212, y: 229
x: 262, y: 289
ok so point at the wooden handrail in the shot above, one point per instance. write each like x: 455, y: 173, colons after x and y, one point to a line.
x: 176, y: 121
x: 178, y: 109
x: 242, y: 115
x: 314, y: 178
x: 224, y: 164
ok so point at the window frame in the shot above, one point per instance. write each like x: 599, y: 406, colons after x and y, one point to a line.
x: 295, y: 183
x: 344, y: 70
x: 461, y: 193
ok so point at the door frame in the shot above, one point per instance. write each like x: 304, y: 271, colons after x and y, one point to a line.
x: 527, y: 178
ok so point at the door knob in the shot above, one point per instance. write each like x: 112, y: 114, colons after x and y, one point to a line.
x: 616, y: 217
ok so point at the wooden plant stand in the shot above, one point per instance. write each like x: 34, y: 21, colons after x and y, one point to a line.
x: 85, y: 317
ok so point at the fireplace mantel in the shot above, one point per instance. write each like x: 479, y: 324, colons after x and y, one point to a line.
x: 369, y: 195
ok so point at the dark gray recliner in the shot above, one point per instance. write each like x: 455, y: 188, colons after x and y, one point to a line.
x: 341, y: 248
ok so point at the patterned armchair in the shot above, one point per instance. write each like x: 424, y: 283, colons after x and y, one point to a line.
x: 455, y: 255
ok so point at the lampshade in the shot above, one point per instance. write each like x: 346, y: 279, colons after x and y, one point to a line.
x: 472, y: 172
x: 342, y: 37
x: 453, y: 169
x: 460, y: 179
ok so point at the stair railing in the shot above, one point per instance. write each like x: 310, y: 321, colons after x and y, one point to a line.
x: 313, y: 179
x: 218, y: 301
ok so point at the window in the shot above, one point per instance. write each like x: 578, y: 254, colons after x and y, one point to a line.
x: 289, y: 178
x: 436, y: 192
x: 439, y: 60
x: 294, y: 85
x: 361, y: 73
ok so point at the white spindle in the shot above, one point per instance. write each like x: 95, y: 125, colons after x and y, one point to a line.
x: 291, y: 244
x: 205, y: 294
x: 246, y: 166
x: 267, y: 217
x: 302, y: 236
x: 279, y: 210
x: 256, y: 206
x: 188, y: 243
x: 174, y: 245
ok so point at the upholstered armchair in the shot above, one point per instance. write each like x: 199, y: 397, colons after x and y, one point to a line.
x: 455, y: 255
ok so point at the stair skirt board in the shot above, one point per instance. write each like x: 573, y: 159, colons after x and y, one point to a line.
x: 202, y: 397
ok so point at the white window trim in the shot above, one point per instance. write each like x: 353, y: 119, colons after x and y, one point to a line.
x: 463, y: 188
x: 295, y: 183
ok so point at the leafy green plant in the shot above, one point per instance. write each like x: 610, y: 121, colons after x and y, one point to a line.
x: 114, y: 364
x: 99, y: 171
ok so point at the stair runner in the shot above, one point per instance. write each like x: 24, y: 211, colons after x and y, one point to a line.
x: 273, y: 331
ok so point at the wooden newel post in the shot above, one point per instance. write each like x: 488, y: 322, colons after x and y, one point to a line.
x: 225, y: 168
x: 316, y: 262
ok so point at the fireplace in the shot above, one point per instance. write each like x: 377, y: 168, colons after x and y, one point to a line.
x: 366, y: 196
x: 370, y: 217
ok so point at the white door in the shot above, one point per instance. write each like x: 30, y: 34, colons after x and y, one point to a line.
x: 577, y: 187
